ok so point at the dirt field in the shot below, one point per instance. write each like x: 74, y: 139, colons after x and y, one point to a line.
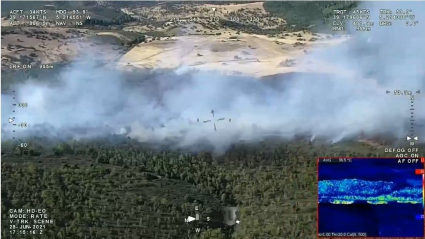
x: 232, y: 53
x: 28, y: 45
x: 190, y: 35
x: 223, y: 50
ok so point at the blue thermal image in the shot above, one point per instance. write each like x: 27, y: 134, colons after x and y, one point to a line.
x: 376, y: 197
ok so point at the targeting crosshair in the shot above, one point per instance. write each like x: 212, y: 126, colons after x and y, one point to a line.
x: 220, y: 119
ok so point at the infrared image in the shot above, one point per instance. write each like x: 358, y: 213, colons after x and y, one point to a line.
x: 375, y: 196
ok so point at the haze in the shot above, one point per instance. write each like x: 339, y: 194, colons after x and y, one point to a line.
x: 94, y: 101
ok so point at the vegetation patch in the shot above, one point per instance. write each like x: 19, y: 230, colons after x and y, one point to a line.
x: 126, y: 189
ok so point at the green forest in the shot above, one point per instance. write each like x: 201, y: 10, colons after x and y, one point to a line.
x: 304, y: 14
x: 119, y: 188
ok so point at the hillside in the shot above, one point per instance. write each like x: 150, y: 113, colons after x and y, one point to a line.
x: 99, y: 189
x: 314, y: 15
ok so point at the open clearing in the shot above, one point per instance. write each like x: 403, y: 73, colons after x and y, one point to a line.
x: 29, y: 45
x: 229, y: 52
x: 202, y: 36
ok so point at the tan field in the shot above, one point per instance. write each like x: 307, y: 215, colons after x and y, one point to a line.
x: 255, y: 55
x: 229, y: 52
x: 195, y: 40
x: 53, y: 45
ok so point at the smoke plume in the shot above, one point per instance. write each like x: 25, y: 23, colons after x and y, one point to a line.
x: 157, y: 106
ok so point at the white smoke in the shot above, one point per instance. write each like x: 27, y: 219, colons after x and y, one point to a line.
x: 93, y: 101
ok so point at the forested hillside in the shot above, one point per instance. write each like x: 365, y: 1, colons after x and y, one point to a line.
x: 306, y: 13
x: 97, y: 190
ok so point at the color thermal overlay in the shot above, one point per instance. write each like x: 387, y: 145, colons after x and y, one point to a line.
x: 373, y: 196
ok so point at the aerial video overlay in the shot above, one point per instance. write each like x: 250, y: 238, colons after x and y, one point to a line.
x: 373, y: 197
x: 187, y: 120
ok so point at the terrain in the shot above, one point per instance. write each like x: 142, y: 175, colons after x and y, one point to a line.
x: 127, y: 190
x: 119, y: 187
x: 245, y: 37
x: 233, y: 52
